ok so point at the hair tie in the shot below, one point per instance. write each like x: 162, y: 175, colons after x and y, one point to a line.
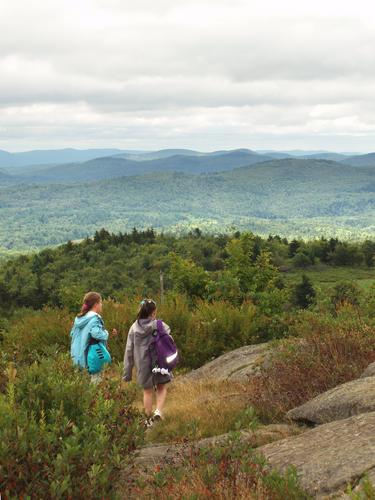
x: 147, y: 301
x: 85, y: 306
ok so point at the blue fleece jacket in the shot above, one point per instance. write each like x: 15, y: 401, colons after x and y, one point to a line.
x: 89, y: 325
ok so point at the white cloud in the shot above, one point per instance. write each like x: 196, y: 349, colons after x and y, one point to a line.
x: 204, y: 74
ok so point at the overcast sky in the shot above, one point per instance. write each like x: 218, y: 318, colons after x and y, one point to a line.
x: 207, y: 74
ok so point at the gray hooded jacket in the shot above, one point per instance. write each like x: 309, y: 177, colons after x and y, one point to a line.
x: 137, y: 353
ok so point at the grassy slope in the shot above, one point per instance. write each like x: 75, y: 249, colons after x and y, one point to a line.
x: 325, y: 277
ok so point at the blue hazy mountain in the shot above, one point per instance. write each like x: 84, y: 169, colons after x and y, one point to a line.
x: 156, y: 155
x: 166, y: 153
x: 299, y: 153
x: 53, y: 156
x: 367, y: 160
x: 117, y: 166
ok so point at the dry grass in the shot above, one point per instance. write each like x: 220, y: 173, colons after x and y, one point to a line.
x: 196, y: 410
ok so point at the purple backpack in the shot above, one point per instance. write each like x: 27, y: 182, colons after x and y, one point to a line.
x: 163, y: 350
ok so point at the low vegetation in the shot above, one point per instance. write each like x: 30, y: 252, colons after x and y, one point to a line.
x: 63, y: 437
x: 323, y: 353
x: 232, y: 470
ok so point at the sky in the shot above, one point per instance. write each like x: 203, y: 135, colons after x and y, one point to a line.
x: 207, y: 74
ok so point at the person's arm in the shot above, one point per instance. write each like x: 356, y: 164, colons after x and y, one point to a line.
x: 129, y: 357
x: 98, y: 331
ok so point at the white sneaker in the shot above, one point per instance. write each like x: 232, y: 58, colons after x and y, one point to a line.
x: 149, y: 422
x: 157, y: 416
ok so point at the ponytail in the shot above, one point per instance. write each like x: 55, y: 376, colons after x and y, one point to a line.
x: 146, y: 308
x: 89, y: 300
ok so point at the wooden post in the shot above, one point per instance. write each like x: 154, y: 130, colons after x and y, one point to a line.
x: 161, y: 287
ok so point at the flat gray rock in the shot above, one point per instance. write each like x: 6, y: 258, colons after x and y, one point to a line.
x: 345, y: 400
x: 370, y: 371
x: 330, y: 457
x: 237, y: 365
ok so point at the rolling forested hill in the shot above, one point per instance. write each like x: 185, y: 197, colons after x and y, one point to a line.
x: 292, y: 197
x: 361, y: 160
x: 117, y: 166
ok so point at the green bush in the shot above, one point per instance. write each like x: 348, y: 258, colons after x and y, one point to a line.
x: 202, y: 331
x: 36, y: 334
x: 345, y: 293
x: 216, y: 328
x: 62, y: 437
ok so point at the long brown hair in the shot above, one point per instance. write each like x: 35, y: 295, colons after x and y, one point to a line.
x: 89, y: 300
x: 146, y: 308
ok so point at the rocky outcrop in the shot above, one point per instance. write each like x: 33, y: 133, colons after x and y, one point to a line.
x: 370, y: 371
x: 152, y: 456
x: 329, y: 457
x: 238, y: 365
x: 346, y: 400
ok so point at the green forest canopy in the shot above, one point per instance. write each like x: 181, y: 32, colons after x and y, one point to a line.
x: 290, y: 197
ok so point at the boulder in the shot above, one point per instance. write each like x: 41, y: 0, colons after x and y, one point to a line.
x: 370, y: 371
x: 238, y: 365
x: 330, y: 457
x: 345, y: 400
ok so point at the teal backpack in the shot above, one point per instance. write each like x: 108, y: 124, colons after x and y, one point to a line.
x: 97, y: 355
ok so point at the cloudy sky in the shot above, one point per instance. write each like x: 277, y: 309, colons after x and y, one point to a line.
x: 207, y: 74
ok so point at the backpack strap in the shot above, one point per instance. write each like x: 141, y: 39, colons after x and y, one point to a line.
x: 159, y: 325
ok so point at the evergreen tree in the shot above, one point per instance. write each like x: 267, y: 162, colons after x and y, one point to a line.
x: 293, y: 247
x: 368, y: 249
x: 304, y: 294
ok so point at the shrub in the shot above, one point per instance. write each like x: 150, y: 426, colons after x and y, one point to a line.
x: 301, y: 259
x: 37, y: 334
x: 324, y: 353
x: 216, y: 328
x: 202, y: 331
x: 62, y: 437
x: 343, y: 293
x: 232, y: 470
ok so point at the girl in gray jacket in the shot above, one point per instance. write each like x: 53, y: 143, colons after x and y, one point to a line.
x: 137, y: 354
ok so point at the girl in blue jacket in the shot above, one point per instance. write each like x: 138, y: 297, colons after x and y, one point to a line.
x: 87, y: 324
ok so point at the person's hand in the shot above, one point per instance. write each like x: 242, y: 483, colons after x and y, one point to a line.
x: 114, y: 332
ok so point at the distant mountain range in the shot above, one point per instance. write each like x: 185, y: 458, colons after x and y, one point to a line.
x: 128, y: 163
x: 70, y: 155
x: 118, y: 166
x: 291, y: 196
